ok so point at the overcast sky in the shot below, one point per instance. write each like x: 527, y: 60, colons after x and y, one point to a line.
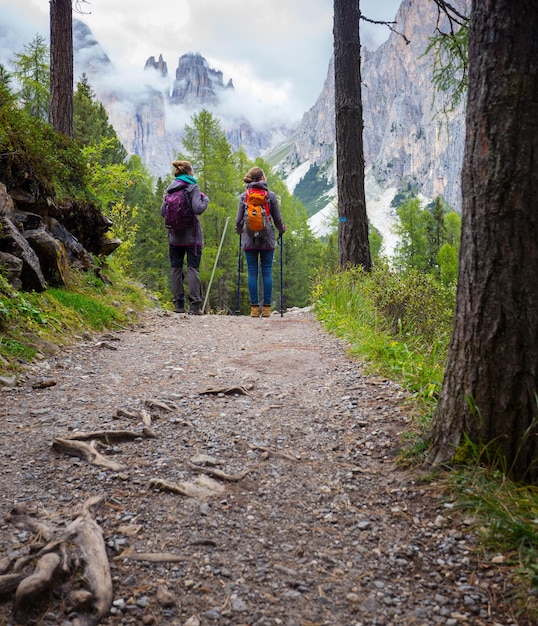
x: 279, y: 47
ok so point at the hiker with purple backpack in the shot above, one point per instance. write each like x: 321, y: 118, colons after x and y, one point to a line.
x: 257, y: 215
x: 182, y: 204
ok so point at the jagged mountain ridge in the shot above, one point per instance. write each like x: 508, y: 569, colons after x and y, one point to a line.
x: 150, y: 117
x: 405, y: 142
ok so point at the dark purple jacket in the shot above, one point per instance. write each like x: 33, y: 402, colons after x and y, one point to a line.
x: 192, y: 236
x: 269, y: 243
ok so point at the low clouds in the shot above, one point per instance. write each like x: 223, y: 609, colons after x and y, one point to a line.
x: 276, y: 52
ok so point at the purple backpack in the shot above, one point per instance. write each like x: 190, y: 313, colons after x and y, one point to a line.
x: 177, y: 210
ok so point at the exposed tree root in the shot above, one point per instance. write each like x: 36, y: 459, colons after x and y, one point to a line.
x: 108, y: 436
x: 203, y: 488
x: 153, y: 557
x: 275, y: 452
x: 158, y: 404
x: 86, y: 452
x: 233, y: 478
x: 58, y: 565
x: 234, y: 389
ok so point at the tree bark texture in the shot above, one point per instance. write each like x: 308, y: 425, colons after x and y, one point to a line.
x: 491, y: 380
x: 353, y: 244
x: 61, y: 66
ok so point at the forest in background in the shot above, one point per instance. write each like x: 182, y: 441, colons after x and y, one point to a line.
x: 123, y: 189
x: 95, y: 169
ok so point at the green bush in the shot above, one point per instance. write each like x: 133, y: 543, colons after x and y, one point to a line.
x: 36, y: 156
x: 399, y: 322
x: 414, y: 304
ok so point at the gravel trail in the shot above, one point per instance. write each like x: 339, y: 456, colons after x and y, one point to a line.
x: 297, y: 514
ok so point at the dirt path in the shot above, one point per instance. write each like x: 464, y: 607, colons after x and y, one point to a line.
x: 311, y: 522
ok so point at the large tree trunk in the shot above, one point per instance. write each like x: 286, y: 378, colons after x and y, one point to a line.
x: 61, y: 66
x: 353, y: 244
x: 491, y: 380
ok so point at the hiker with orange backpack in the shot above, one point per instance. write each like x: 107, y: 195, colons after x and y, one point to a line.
x: 258, y: 214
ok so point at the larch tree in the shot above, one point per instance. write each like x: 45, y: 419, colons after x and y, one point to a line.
x: 32, y: 70
x: 489, y: 392
x: 353, y: 244
x: 61, y: 66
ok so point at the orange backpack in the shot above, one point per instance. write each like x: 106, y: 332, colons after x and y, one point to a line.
x: 258, y: 216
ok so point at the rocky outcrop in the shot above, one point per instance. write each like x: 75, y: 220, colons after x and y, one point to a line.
x: 38, y: 250
x: 408, y: 138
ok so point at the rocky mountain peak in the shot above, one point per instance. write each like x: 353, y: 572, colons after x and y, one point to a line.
x: 196, y: 83
x: 408, y: 141
x: 160, y: 65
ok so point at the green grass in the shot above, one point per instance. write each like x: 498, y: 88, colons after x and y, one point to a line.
x: 400, y: 324
x: 94, y: 314
x: 506, y: 515
x: 12, y: 349
x: 29, y: 320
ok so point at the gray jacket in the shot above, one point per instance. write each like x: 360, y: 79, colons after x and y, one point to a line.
x: 269, y: 242
x: 192, y: 236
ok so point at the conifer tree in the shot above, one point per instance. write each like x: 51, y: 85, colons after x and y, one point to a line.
x: 208, y: 149
x: 353, y: 243
x: 61, y: 66
x: 489, y: 394
x: 31, y: 71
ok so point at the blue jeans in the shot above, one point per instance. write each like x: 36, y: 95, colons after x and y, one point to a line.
x: 266, y: 257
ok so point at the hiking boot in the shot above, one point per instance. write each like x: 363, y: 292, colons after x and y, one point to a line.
x: 266, y: 310
x: 195, y: 309
x: 179, y: 307
x: 254, y: 310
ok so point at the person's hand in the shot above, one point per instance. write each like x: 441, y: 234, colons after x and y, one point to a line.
x: 283, y: 229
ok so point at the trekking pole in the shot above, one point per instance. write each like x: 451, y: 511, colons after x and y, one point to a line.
x: 238, y: 303
x: 281, y: 274
x: 215, y: 264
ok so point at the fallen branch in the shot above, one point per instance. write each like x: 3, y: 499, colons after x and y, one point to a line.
x: 86, y: 452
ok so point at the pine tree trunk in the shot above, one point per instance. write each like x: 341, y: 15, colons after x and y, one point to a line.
x: 353, y: 244
x: 61, y: 66
x: 491, y: 380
